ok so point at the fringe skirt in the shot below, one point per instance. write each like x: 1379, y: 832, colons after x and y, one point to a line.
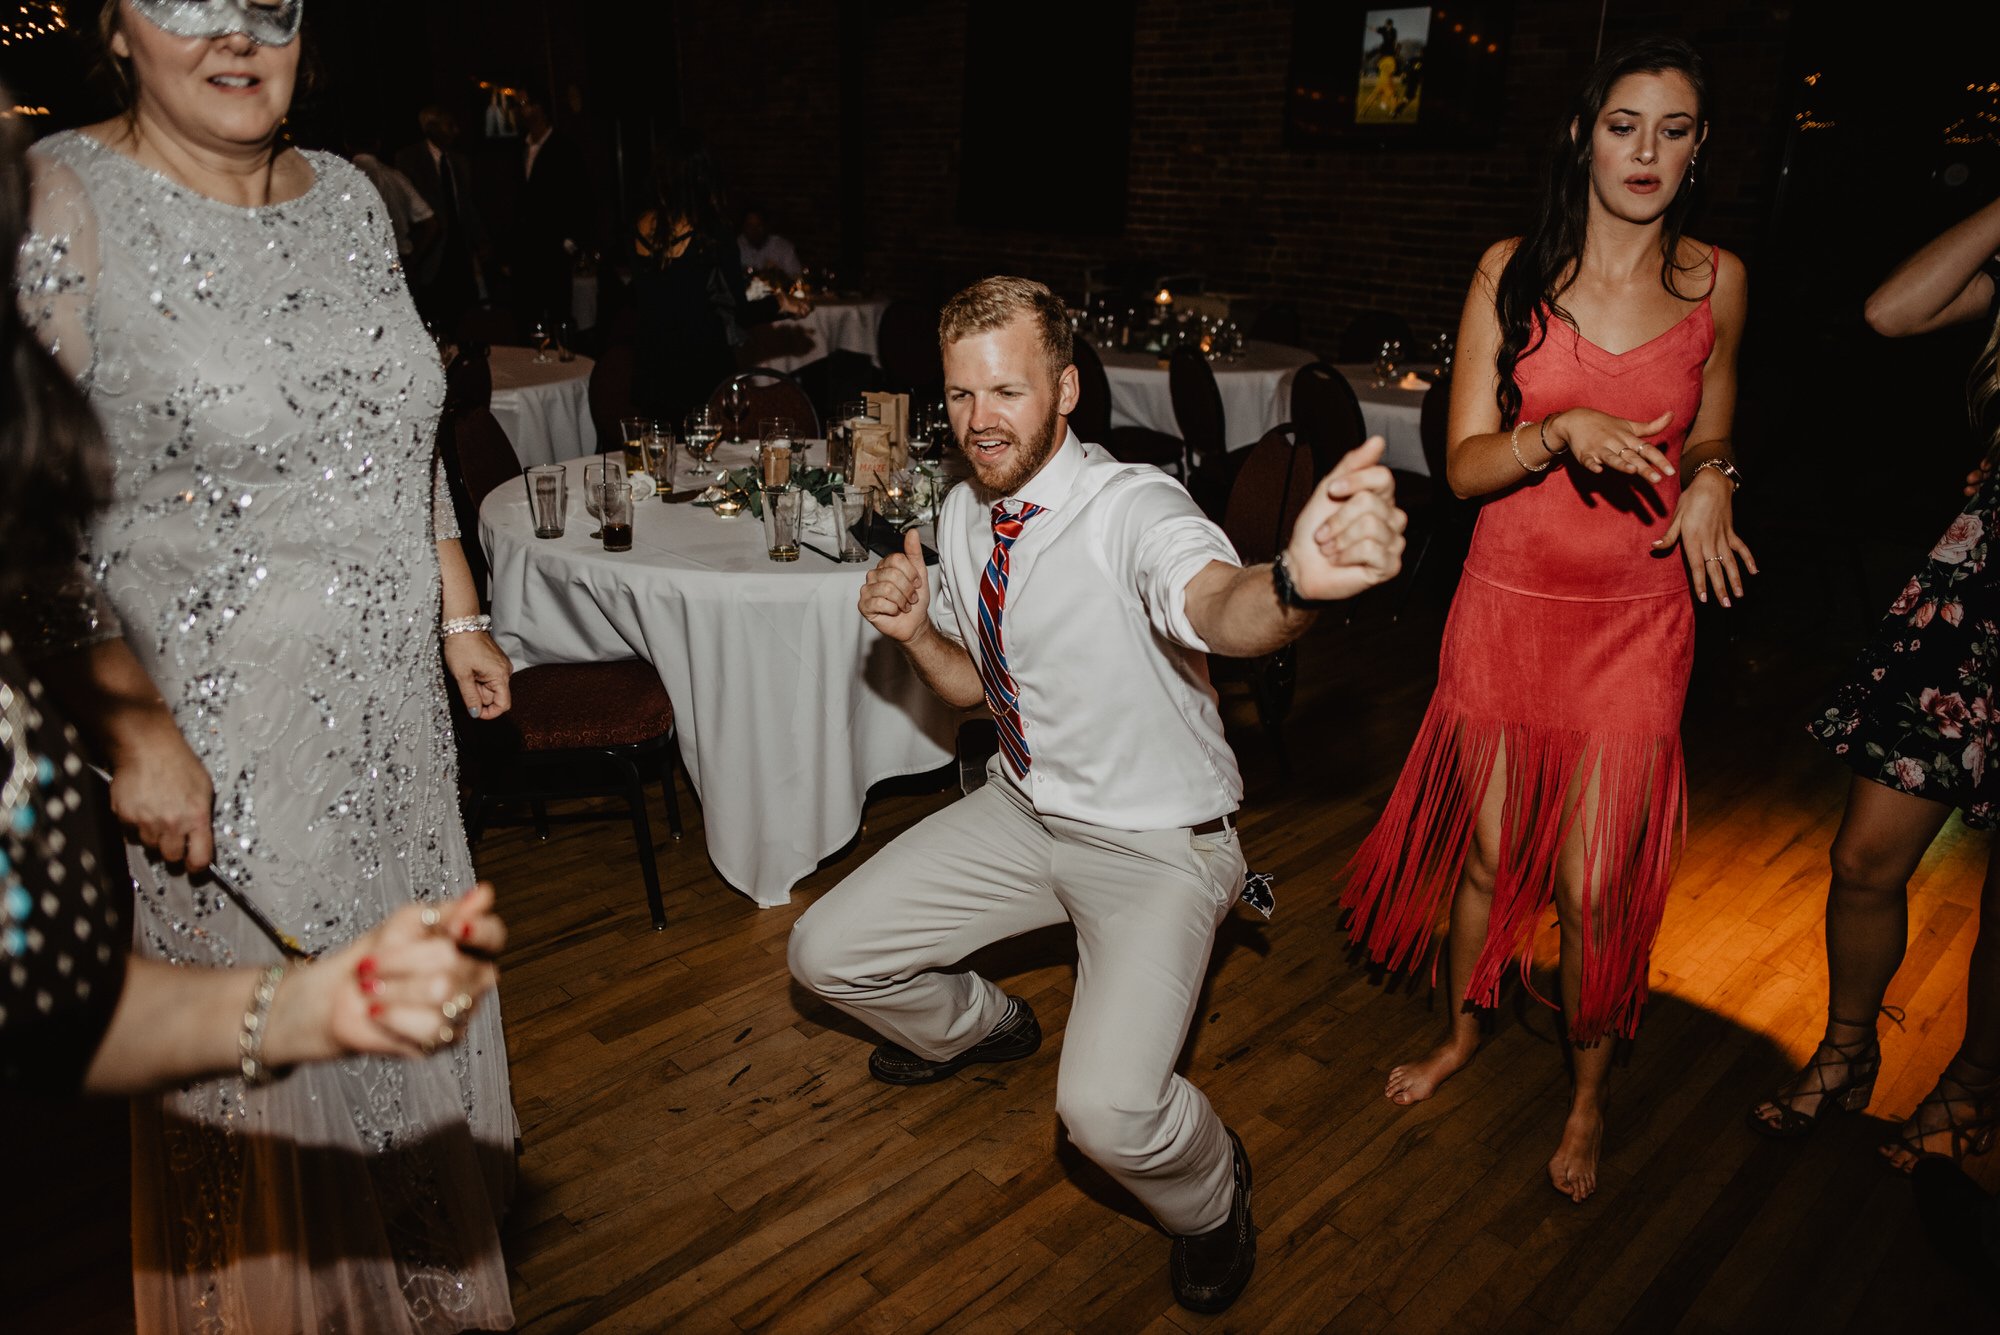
x: 1579, y: 701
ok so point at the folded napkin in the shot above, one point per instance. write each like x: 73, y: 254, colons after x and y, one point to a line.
x: 821, y: 523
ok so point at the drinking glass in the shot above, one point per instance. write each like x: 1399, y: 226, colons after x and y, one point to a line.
x: 894, y: 503
x: 565, y: 336
x: 616, y: 504
x: 850, y: 505
x: 784, y: 514
x: 777, y: 451
x: 658, y: 445
x: 735, y: 405
x: 538, y: 339
x: 1385, y: 362
x: 548, y: 497
x: 702, y: 433
x: 593, y: 489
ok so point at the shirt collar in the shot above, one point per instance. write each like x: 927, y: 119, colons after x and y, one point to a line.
x: 1056, y: 480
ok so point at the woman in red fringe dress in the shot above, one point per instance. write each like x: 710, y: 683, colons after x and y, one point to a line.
x: 1597, y: 381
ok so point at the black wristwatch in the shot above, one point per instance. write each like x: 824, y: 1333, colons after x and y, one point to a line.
x: 1288, y: 592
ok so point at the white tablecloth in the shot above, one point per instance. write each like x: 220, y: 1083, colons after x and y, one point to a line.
x: 1256, y: 391
x: 1393, y: 413
x: 544, y: 407
x: 788, y: 704
x: 832, y: 325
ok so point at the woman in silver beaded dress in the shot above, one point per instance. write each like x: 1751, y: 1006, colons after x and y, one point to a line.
x: 235, y: 312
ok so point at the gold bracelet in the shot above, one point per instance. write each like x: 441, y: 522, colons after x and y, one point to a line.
x: 1545, y: 432
x: 250, y: 1038
x: 1514, y: 444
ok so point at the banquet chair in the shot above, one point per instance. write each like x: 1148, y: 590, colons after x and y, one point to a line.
x: 1326, y: 413
x: 1208, y: 465
x: 1269, y: 491
x: 768, y: 393
x: 612, y: 378
x: 1278, y: 323
x: 1366, y: 332
x: 1435, y: 510
x: 468, y: 381
x: 571, y: 723
x: 1091, y: 419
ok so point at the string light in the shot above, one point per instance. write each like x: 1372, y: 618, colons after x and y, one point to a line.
x: 39, y: 18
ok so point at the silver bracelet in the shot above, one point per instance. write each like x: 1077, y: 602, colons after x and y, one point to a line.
x: 464, y: 625
x: 1514, y: 444
x: 250, y: 1038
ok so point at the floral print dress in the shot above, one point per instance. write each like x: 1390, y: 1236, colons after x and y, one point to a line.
x: 1919, y: 714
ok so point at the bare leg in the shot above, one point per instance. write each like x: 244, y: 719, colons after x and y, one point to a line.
x: 1968, y: 1093
x: 1573, y: 1168
x: 1471, y: 906
x: 1883, y: 835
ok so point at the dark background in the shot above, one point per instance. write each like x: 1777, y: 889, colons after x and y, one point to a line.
x: 912, y: 145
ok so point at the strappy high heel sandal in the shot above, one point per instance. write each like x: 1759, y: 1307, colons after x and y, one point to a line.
x: 1972, y: 1088
x: 1863, y: 1059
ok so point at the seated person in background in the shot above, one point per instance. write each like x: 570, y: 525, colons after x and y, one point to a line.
x: 414, y: 222
x: 687, y: 292
x: 765, y: 253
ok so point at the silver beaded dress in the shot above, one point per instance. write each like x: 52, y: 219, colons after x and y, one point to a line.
x: 271, y: 400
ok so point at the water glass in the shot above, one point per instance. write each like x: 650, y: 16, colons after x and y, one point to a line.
x: 616, y: 503
x: 593, y: 489
x: 850, y: 506
x: 894, y: 503
x: 703, y: 433
x: 548, y: 497
x: 661, y: 461
x: 784, y: 515
x: 634, y: 431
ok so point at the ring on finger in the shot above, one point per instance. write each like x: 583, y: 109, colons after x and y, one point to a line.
x: 456, y: 1007
x: 1716, y: 560
x: 446, y: 1034
x: 431, y: 917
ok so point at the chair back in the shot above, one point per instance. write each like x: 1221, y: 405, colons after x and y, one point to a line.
x: 906, y: 345
x: 468, y: 380
x: 1366, y: 333
x: 1197, y: 403
x: 1278, y: 323
x: 1091, y: 418
x: 486, y: 458
x: 768, y: 393
x: 484, y: 326
x: 611, y: 382
x: 1326, y: 414
x: 1433, y: 427
x: 1271, y: 488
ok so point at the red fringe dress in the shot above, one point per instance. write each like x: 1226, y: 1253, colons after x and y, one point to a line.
x: 1568, y: 646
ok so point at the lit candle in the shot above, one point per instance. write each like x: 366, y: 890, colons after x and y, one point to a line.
x: 729, y: 507
x: 1163, y: 299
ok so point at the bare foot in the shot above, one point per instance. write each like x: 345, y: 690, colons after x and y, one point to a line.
x: 1574, y: 1169
x: 1413, y: 1082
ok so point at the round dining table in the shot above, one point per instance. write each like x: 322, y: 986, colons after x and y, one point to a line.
x: 1393, y: 411
x: 544, y: 407
x: 834, y: 324
x: 1256, y: 390
x: 788, y: 705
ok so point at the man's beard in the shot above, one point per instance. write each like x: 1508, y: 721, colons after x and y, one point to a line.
x: 1024, y: 457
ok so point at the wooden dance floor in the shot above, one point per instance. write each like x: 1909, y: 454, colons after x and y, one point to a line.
x: 705, y: 1151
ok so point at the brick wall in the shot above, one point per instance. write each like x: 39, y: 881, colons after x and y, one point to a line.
x: 1337, y: 230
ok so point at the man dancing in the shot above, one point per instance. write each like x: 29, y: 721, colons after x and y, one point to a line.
x: 1078, y: 597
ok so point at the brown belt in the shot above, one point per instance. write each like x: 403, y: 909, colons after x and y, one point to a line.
x: 1220, y: 825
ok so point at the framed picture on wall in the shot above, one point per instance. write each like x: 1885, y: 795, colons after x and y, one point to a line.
x: 1373, y: 72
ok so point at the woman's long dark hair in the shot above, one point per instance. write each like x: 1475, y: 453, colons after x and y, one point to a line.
x: 1545, y: 263
x: 54, y: 466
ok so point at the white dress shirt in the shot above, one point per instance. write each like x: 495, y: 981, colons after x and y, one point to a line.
x: 1120, y: 720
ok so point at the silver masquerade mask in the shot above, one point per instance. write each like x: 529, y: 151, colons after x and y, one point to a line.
x: 265, y: 22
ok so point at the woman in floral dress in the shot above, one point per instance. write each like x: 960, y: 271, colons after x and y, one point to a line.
x: 1916, y: 723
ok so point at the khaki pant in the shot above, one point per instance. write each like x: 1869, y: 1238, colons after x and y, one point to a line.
x: 1145, y: 905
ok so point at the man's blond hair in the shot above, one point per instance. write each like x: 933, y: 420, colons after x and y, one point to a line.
x: 992, y: 303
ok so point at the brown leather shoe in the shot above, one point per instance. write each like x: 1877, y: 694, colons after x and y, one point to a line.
x: 1016, y: 1036
x: 1210, y: 1270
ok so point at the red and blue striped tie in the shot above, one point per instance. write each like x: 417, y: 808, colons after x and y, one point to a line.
x: 993, y: 673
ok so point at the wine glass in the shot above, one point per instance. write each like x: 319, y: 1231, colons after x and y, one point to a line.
x: 1385, y: 362
x: 603, y: 471
x: 703, y: 434
x: 538, y: 339
x: 735, y: 404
